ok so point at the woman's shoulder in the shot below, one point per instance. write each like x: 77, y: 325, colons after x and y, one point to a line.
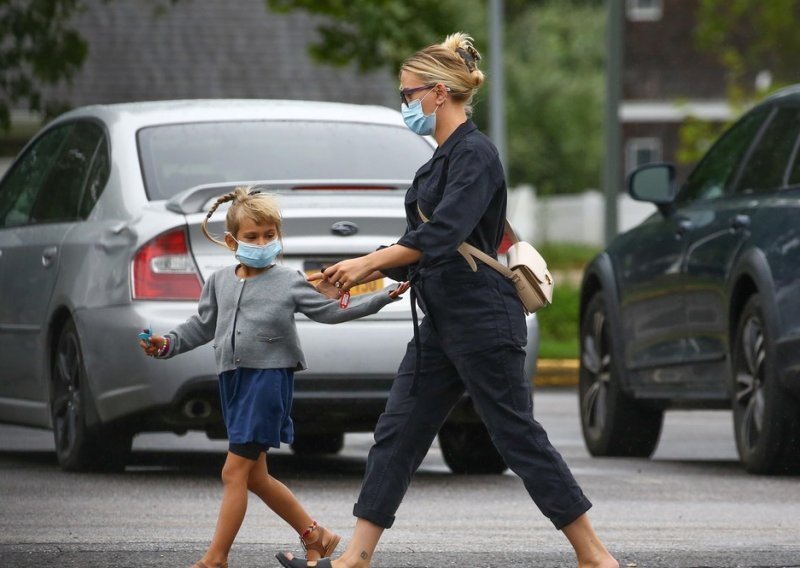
x: 477, y: 143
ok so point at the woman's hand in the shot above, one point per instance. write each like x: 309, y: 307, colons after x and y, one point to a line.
x: 156, y: 343
x: 400, y: 290
x: 348, y: 273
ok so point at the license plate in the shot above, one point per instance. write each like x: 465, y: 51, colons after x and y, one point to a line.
x: 313, y: 266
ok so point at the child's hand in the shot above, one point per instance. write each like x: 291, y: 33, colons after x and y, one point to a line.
x: 324, y: 286
x: 156, y: 343
x: 400, y: 290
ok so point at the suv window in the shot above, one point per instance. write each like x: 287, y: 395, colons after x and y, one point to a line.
x: 711, y: 177
x: 22, y: 184
x: 175, y: 157
x: 766, y: 166
x: 61, y: 193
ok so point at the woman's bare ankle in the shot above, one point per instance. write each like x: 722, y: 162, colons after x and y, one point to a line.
x: 352, y: 560
x: 604, y: 561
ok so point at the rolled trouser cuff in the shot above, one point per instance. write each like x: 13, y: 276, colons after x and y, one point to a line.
x: 375, y: 517
x: 571, y: 514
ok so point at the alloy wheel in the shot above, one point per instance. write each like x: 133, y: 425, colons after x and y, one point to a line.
x: 750, y: 393
x: 596, y: 359
x: 67, y: 404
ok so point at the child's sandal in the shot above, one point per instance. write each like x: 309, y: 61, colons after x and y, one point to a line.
x: 316, y: 539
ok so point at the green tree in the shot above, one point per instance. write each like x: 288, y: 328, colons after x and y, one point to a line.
x: 37, y: 47
x: 555, y: 76
x: 554, y: 69
x: 747, y: 37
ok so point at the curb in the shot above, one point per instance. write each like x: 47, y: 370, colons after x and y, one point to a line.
x: 556, y: 373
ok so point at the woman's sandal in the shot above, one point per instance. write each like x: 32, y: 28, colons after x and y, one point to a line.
x: 323, y: 544
x: 201, y: 564
x: 287, y: 562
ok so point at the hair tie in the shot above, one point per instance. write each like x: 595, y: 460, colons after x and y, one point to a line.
x: 469, y: 58
x: 254, y: 192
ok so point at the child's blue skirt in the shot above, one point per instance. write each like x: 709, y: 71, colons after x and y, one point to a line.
x: 256, y: 405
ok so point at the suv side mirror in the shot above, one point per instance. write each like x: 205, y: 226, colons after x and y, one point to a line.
x: 654, y: 183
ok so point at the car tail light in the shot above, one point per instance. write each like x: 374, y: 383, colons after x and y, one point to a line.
x: 163, y: 269
x: 505, y: 244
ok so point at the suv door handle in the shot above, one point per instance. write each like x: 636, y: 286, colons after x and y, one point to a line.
x: 48, y: 254
x: 684, y: 226
x: 740, y: 222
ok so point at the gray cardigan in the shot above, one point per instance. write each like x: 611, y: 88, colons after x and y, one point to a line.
x: 260, y: 312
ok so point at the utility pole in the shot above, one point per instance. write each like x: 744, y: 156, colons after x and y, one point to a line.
x: 497, y: 87
x: 611, y: 126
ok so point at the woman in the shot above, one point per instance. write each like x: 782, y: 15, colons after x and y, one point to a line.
x: 473, y: 331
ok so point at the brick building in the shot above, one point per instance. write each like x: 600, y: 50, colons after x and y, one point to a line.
x: 665, y: 79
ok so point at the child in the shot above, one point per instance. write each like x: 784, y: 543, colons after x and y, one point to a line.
x: 249, y: 313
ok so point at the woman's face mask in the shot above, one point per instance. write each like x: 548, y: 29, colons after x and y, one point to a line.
x: 416, y: 120
x: 257, y: 256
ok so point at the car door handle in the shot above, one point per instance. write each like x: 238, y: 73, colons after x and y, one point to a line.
x: 740, y: 222
x: 684, y: 226
x: 48, y: 254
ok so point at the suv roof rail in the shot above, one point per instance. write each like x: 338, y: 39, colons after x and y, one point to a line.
x: 193, y: 200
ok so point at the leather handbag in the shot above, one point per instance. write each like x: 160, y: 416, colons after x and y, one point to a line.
x: 526, y: 268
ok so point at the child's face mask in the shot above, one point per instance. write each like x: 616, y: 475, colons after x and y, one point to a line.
x: 257, y: 256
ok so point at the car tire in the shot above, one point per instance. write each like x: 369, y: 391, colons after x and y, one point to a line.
x: 318, y: 444
x: 613, y: 423
x: 79, y: 447
x: 766, y: 418
x: 467, y: 448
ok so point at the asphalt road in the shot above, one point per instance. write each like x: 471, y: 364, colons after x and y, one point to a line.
x: 690, y: 506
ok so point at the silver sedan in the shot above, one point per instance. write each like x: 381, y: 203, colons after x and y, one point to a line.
x: 100, y: 236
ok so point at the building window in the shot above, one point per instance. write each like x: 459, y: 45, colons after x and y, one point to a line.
x: 644, y: 10
x: 641, y: 151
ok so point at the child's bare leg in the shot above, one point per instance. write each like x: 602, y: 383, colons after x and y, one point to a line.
x: 590, y: 551
x: 280, y: 499
x: 235, y: 474
x: 277, y: 496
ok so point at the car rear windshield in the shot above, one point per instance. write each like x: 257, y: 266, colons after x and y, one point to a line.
x: 179, y: 156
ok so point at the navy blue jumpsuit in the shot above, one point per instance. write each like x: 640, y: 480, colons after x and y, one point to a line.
x: 471, y: 337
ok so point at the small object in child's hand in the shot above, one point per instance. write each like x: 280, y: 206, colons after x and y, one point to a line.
x: 146, y: 334
x: 344, y: 301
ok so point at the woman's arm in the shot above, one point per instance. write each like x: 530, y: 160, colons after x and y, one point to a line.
x: 319, y: 308
x: 358, y: 270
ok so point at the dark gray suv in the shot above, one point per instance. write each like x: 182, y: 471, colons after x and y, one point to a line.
x: 699, y: 305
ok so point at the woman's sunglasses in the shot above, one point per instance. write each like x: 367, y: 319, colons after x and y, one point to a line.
x: 405, y: 93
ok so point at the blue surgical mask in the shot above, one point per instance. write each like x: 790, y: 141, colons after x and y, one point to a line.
x: 257, y: 256
x: 415, y: 117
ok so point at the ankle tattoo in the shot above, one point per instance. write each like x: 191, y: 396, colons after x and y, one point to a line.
x: 364, y: 555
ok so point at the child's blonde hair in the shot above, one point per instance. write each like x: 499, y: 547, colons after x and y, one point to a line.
x: 250, y: 203
x: 454, y: 63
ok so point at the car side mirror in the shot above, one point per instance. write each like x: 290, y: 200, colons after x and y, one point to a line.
x: 654, y: 183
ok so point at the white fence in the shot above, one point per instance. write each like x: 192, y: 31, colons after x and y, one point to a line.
x: 578, y: 218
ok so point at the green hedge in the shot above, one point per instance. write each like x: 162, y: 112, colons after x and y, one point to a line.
x: 558, y: 323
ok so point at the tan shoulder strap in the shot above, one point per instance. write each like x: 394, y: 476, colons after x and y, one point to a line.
x: 468, y: 251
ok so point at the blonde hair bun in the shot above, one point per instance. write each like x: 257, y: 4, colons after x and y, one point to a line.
x: 462, y: 44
